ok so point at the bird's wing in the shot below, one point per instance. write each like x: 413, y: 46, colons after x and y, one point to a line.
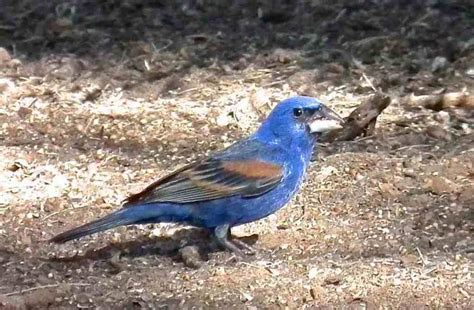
x: 210, y: 179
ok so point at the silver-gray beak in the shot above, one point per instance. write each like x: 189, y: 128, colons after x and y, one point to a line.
x: 325, y: 120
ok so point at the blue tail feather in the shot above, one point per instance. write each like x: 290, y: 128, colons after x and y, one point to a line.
x: 140, y: 214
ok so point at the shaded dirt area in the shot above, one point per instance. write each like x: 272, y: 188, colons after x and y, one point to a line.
x: 97, y: 99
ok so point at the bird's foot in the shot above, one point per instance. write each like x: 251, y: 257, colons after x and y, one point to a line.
x: 232, y: 247
x: 236, y: 246
x: 249, y: 250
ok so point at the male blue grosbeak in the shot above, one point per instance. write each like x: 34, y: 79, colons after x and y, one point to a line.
x: 243, y: 183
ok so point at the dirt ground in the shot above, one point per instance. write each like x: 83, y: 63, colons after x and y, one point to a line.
x: 99, y: 98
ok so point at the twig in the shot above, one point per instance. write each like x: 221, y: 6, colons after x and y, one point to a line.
x: 274, y: 83
x: 421, y: 256
x: 303, y: 213
x: 31, y: 289
x: 419, y: 21
x: 365, y: 41
x: 427, y: 272
x: 254, y: 266
x: 362, y: 120
x: 339, y: 16
x: 466, y: 294
x: 187, y: 91
x: 157, y: 50
x: 469, y: 250
x: 369, y: 81
x: 362, y: 139
x: 412, y: 146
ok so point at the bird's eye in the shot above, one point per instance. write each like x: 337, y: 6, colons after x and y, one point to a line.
x: 297, y: 112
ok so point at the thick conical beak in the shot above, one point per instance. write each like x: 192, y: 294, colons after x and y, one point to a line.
x: 325, y: 120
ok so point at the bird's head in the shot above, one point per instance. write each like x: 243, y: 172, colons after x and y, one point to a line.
x: 299, y: 119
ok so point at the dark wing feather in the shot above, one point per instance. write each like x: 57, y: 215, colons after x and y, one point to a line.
x: 212, y: 179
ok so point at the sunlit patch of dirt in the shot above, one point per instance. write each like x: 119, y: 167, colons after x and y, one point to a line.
x: 99, y: 99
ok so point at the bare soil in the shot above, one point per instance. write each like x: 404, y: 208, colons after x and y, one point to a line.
x: 99, y: 98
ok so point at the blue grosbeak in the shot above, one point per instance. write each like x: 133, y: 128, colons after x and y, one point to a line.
x: 243, y: 183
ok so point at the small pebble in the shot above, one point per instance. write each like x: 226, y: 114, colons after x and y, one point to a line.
x: 442, y: 117
x: 439, y: 64
x: 190, y: 256
x: 333, y: 280
x: 470, y: 72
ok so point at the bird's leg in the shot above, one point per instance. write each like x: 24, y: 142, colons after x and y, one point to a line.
x: 221, y: 235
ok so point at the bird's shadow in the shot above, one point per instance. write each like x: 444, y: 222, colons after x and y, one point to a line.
x: 165, y: 246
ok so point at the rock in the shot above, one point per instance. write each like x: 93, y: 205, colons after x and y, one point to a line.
x: 442, y: 117
x: 283, y: 55
x: 334, y: 67
x: 388, y: 190
x: 24, y: 112
x: 246, y: 297
x: 410, y: 173
x: 467, y: 195
x: 467, y: 45
x: 18, y: 164
x: 259, y: 98
x: 440, y: 185
x: 223, y: 120
x: 439, y: 64
x: 313, y: 273
x: 58, y: 183
x: 15, y: 63
x: 5, y: 56
x: 325, y: 172
x: 12, y: 302
x: 6, y: 85
x: 333, y: 280
x: 470, y: 72
x: 409, y: 260
x: 438, y: 133
x: 302, y: 81
x: 190, y: 256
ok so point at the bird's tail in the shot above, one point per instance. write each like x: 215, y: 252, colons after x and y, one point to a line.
x: 133, y: 215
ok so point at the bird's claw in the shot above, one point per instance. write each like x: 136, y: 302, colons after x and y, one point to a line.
x: 236, y: 246
x: 247, y: 249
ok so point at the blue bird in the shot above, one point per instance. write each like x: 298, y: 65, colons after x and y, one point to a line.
x: 245, y: 182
